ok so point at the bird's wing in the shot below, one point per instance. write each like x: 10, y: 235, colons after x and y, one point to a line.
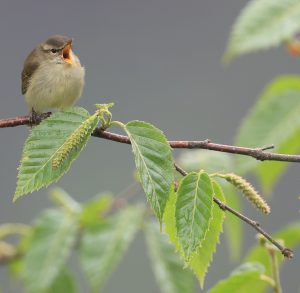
x: 30, y: 66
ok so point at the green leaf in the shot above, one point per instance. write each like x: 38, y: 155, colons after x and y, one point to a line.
x: 63, y: 283
x: 51, y: 148
x: 248, y: 267
x: 263, y: 24
x: 166, y: 264
x: 212, y: 162
x: 241, y: 280
x: 193, y: 212
x: 273, y: 120
x: 291, y: 237
x: 94, y: 209
x: 52, y: 240
x: 170, y: 220
x: 154, y: 162
x: 103, y: 245
x: 202, y: 258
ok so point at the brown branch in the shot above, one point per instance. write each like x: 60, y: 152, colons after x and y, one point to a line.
x: 23, y: 120
x: 288, y: 253
x: 16, y: 121
x: 257, y: 153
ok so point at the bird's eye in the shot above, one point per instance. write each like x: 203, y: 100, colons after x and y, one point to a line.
x: 53, y: 51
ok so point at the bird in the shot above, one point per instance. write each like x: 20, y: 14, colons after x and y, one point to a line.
x: 52, y: 76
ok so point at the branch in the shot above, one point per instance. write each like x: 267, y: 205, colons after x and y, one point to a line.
x: 257, y: 153
x: 288, y: 253
x: 23, y: 120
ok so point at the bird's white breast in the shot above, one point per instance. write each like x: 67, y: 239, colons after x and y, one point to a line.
x: 55, y: 86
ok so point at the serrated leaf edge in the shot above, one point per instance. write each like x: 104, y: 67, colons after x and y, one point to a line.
x: 18, y: 192
x: 188, y: 258
x: 202, y: 279
x: 133, y: 142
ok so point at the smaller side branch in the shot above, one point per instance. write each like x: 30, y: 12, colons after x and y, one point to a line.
x: 286, y: 252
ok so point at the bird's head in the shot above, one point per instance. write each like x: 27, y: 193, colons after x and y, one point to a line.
x: 58, y: 49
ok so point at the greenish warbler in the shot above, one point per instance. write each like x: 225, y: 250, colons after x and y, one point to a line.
x: 52, y: 76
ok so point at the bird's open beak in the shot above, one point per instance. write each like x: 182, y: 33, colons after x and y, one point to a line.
x: 67, y: 53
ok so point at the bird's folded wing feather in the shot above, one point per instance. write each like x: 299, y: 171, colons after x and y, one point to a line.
x: 30, y: 66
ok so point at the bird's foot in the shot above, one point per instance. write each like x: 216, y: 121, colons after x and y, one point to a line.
x: 34, y: 118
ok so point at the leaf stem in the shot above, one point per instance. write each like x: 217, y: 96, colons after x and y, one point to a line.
x: 275, y: 270
x: 119, y: 123
x: 268, y: 280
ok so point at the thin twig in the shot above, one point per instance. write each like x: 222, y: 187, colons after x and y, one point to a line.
x: 288, y: 253
x: 257, y: 153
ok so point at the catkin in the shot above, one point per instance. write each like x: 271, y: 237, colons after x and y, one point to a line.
x: 248, y: 190
x: 75, y: 140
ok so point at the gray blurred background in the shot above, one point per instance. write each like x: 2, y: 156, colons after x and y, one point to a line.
x: 159, y: 61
